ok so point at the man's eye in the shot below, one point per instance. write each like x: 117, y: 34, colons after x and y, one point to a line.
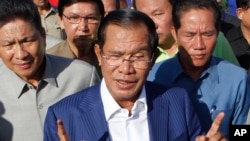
x: 137, y: 57
x: 91, y: 18
x: 74, y: 18
x: 189, y: 35
x: 158, y: 14
x: 7, y: 46
x: 208, y: 34
x: 114, y: 57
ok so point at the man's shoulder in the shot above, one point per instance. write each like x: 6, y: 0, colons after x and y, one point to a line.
x: 56, y: 47
x: 52, y: 41
x: 165, y: 63
x: 162, y: 71
x: 226, y: 68
x: 85, y: 96
x: 169, y: 91
x: 72, y: 64
x: 62, y: 49
x: 234, y: 34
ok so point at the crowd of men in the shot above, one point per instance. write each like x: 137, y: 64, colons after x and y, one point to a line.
x: 123, y: 70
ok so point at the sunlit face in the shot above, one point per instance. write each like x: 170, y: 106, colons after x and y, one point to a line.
x: 22, y: 48
x: 124, y: 82
x: 109, y: 5
x: 83, y: 33
x: 160, y: 11
x: 196, y: 37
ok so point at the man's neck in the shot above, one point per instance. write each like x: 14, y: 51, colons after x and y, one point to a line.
x: 193, y: 72
x: 85, y: 52
x: 170, y: 46
x: 37, y: 76
x: 44, y: 9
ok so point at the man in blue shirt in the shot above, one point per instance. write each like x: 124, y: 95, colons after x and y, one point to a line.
x: 214, y: 85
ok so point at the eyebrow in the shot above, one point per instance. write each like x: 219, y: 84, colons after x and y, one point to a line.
x: 144, y: 48
x: 6, y: 42
x: 74, y: 14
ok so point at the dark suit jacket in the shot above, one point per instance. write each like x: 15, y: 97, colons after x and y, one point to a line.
x: 171, y: 116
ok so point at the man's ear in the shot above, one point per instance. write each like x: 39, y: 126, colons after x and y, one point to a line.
x: 240, y: 12
x: 61, y: 22
x: 98, y: 53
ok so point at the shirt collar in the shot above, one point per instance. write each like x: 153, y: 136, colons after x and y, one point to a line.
x: 111, y: 106
x: 49, y: 77
x: 212, y: 70
x: 52, y: 11
x: 163, y: 55
x: 66, y: 50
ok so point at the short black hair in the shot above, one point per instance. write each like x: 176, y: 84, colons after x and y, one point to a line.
x: 182, y: 6
x: 23, y: 9
x: 128, y: 18
x: 65, y: 3
x: 245, y: 4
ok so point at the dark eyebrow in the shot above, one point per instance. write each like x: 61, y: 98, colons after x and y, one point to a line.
x: 7, y: 42
x: 146, y: 48
x: 74, y: 14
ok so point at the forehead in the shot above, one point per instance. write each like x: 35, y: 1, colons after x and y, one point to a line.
x: 197, y: 17
x: 134, y: 37
x: 39, y: 0
x: 108, y: 2
x: 82, y: 7
x: 18, y: 25
x: 150, y: 5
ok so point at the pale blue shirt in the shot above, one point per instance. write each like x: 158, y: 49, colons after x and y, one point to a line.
x: 222, y: 87
x: 121, y: 126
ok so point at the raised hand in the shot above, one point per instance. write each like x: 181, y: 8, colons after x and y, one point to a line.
x: 61, y: 131
x: 214, y: 134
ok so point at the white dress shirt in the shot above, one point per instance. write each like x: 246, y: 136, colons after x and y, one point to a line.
x: 123, y: 127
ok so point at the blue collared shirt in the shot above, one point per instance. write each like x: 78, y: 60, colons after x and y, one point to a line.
x: 222, y: 87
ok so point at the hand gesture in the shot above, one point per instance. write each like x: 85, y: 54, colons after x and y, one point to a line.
x: 214, y: 134
x: 61, y: 131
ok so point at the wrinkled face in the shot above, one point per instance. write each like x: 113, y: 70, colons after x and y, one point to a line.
x: 22, y: 48
x: 243, y: 15
x: 196, y: 37
x: 81, y: 34
x: 160, y: 11
x: 124, y: 82
x: 40, y: 3
x: 109, y: 5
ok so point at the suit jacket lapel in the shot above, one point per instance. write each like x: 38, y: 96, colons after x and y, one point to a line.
x: 93, y: 117
x: 157, y: 114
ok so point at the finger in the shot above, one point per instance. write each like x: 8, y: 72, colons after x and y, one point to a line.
x: 217, y: 137
x: 215, y: 125
x: 61, y: 131
x: 201, y: 138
